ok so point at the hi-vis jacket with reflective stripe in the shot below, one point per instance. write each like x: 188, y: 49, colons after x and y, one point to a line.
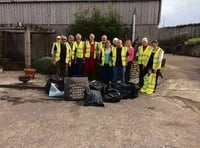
x: 156, y: 62
x: 123, y: 56
x: 79, y: 49
x: 149, y: 83
x: 144, y: 55
x: 57, y: 54
x: 72, y: 49
x: 87, y: 51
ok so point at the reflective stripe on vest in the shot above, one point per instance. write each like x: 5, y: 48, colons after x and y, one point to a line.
x: 144, y: 56
x: 79, y: 49
x: 87, y: 52
x: 57, y: 55
x: 123, y: 56
x: 156, y: 59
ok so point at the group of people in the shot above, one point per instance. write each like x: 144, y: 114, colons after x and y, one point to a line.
x: 149, y: 61
x: 104, y: 61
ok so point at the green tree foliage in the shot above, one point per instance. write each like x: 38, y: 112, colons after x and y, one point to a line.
x: 193, y: 41
x: 44, y: 65
x: 93, y: 21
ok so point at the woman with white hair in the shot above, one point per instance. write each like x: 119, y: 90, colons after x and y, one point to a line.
x: 143, y: 54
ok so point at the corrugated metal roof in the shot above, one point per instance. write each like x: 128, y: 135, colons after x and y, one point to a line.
x: 18, y: 1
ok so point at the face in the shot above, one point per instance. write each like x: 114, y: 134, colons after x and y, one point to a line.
x: 103, y: 38
x: 58, y: 39
x: 70, y: 39
x: 128, y: 43
x: 108, y: 44
x: 63, y: 40
x: 154, y: 45
x: 144, y: 43
x: 119, y: 43
x: 78, y: 38
x: 91, y: 37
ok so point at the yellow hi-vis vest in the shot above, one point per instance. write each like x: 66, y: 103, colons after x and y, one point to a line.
x: 123, y: 56
x: 100, y: 46
x: 149, y: 83
x: 87, y: 51
x: 103, y: 58
x: 72, y: 49
x: 156, y: 59
x: 144, y: 56
x: 79, y: 49
x: 57, y: 55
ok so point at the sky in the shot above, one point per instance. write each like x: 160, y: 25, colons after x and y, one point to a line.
x: 179, y: 12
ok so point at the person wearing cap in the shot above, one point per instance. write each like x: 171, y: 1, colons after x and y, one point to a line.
x: 143, y: 54
x: 56, y: 43
x: 119, y: 58
x: 90, y: 55
x: 61, y: 57
x: 79, y: 46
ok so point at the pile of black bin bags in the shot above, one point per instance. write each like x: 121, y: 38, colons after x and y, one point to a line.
x: 99, y: 92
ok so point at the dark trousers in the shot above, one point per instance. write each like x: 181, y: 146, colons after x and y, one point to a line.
x: 62, y: 69
x: 128, y: 72
x: 142, y: 73
x: 78, y: 67
x: 106, y: 74
x: 157, y: 74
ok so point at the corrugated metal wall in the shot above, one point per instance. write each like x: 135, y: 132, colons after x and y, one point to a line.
x: 168, y: 33
x: 63, y: 12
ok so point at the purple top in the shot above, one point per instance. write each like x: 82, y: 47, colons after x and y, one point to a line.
x: 130, y: 54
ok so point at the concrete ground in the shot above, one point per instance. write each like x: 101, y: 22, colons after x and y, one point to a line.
x: 170, y: 118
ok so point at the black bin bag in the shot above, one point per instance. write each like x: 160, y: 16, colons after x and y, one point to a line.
x: 97, y: 85
x: 127, y: 91
x: 57, y: 80
x: 112, y: 95
x: 93, y: 98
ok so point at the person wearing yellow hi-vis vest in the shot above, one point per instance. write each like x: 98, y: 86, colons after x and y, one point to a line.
x: 57, y: 43
x: 155, y: 60
x: 102, y: 43
x: 143, y: 54
x: 149, y: 82
x: 79, y: 47
x: 61, y: 57
x: 119, y: 60
x: 90, y: 55
x: 105, y: 63
x: 71, y: 46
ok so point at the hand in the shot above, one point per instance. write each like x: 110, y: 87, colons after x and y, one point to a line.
x: 54, y: 62
x: 155, y: 70
x: 70, y: 64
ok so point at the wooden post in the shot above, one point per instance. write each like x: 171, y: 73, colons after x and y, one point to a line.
x: 27, y: 46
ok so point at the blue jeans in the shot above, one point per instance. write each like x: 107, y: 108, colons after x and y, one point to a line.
x: 119, y: 74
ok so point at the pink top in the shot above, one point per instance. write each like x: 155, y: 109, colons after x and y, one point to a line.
x: 130, y: 54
